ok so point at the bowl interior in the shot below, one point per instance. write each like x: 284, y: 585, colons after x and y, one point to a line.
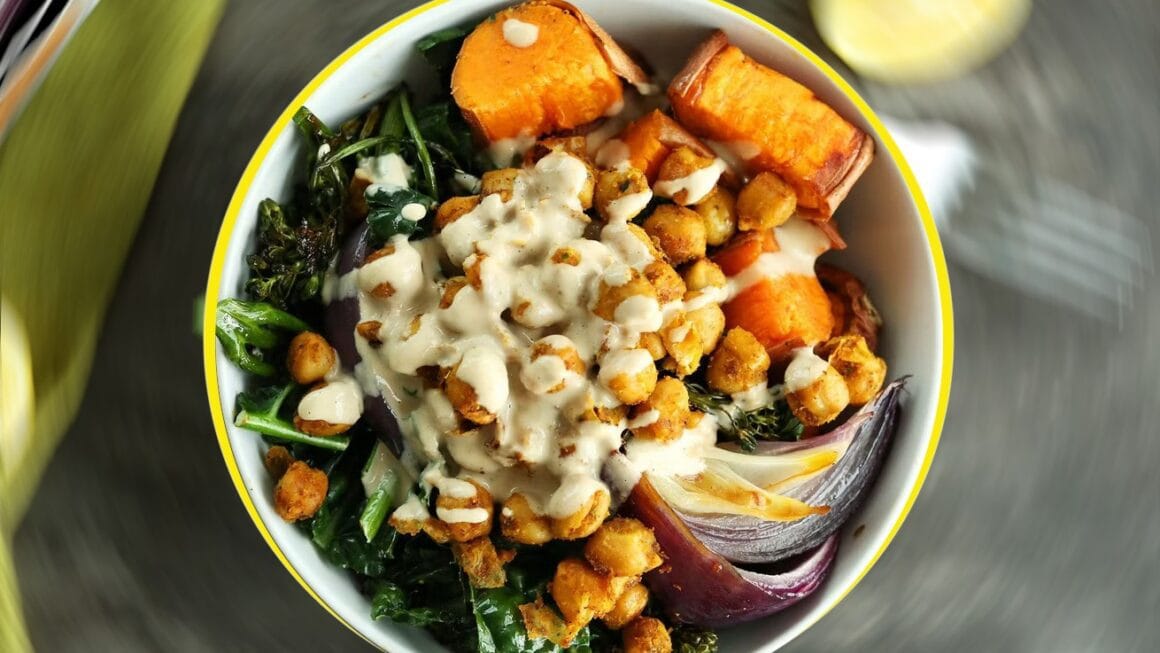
x: 893, y: 249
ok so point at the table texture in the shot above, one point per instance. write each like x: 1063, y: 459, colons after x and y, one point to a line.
x: 1039, y: 526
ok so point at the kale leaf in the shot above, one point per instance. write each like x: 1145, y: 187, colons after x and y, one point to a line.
x: 259, y: 410
x: 248, y: 331
x: 386, y: 217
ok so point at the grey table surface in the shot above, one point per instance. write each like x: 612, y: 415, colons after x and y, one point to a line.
x: 1039, y: 526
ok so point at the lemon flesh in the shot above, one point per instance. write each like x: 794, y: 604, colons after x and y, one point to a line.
x: 913, y: 41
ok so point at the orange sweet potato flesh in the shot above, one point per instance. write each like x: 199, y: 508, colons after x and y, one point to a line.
x: 652, y: 137
x: 569, y: 76
x: 743, y: 250
x: 723, y: 95
x: 782, y: 313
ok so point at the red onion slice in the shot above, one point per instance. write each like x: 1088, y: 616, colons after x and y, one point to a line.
x: 842, y: 487
x: 700, y: 587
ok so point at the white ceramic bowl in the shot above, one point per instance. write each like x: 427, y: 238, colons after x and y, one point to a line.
x: 894, y: 248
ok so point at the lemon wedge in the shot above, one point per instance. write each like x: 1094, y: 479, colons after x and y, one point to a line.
x: 911, y: 41
x: 15, y: 390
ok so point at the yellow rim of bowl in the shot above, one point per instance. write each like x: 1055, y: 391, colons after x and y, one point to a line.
x: 213, y: 286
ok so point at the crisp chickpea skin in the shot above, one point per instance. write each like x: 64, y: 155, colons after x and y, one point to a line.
x: 863, y: 372
x: 519, y: 523
x: 584, y: 521
x: 653, y: 343
x: 821, y: 401
x: 463, y: 397
x: 646, y: 635
x: 623, y: 547
x: 630, y: 387
x: 610, y: 297
x: 466, y: 531
x: 580, y: 592
x: 671, y: 401
x: 645, y: 239
x: 309, y: 358
x: 453, y: 208
x: 669, y: 285
x: 703, y: 273
x: 681, y: 163
x: 481, y: 562
x: 628, y: 607
x: 709, y: 323
x: 684, y: 346
x: 501, y: 182
x: 718, y: 213
x: 300, y: 492
x: 679, y: 232
x: 765, y: 202
x: 612, y: 185
x: 739, y: 362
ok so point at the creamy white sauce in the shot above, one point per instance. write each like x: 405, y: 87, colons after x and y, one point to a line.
x: 627, y: 207
x: 804, y: 368
x: 504, y: 151
x: 484, y: 369
x: 683, y: 456
x: 340, y: 401
x: 753, y: 398
x: 520, y: 34
x: 411, y: 510
x: 639, y: 313
x: 612, y: 153
x: 800, y: 244
x: 623, y: 362
x: 697, y: 184
x: 335, y: 287
x: 387, y: 172
x: 413, y: 212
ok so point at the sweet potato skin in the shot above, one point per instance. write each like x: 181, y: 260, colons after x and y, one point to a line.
x: 724, y: 95
x: 792, y: 307
x: 559, y: 82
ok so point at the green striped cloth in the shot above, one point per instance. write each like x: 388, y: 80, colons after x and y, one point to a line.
x: 76, y: 172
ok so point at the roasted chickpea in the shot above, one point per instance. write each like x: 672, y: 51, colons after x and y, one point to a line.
x: 277, y: 461
x: 646, y: 635
x: 623, y: 547
x: 300, y: 492
x: 863, y: 372
x: 589, y: 188
x: 739, y: 362
x: 473, y: 270
x: 654, y: 344
x: 670, y: 400
x: 629, y: 374
x: 709, y: 323
x: 464, y: 398
x: 765, y: 202
x: 309, y: 358
x: 718, y: 214
x: 562, y: 348
x: 318, y: 427
x: 610, y: 297
x: 580, y: 592
x: 627, y: 184
x: 481, y: 562
x: 703, y: 273
x: 676, y: 167
x: 502, y: 181
x: 678, y: 232
x: 577, y: 146
x: 821, y: 400
x: 683, y: 344
x: 566, y: 256
x: 646, y: 240
x: 447, y: 505
x: 669, y: 285
x: 453, y: 208
x: 451, y: 288
x: 519, y: 523
x: 631, y: 603
x: 584, y: 521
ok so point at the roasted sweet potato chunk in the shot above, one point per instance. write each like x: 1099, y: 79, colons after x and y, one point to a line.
x: 551, y: 70
x: 781, y: 309
x: 725, y: 96
x: 651, y: 138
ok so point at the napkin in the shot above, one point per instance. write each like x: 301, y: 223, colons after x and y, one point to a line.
x: 76, y: 171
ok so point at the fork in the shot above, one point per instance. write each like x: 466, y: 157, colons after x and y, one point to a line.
x: 1034, y: 233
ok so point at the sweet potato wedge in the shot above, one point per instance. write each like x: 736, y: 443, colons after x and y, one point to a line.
x: 744, y: 249
x: 854, y: 313
x: 652, y: 137
x: 559, y: 71
x: 792, y: 307
x: 723, y: 95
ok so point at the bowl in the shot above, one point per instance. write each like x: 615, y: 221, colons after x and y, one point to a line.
x: 894, y: 249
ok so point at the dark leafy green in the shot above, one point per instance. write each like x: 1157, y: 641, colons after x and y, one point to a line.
x: 249, y: 331
x: 386, y: 213
x: 258, y: 410
x: 773, y: 422
x: 691, y: 639
x: 440, y: 49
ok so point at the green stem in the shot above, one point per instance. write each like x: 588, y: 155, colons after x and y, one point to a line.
x: 420, y: 146
x: 380, y: 501
x: 277, y: 429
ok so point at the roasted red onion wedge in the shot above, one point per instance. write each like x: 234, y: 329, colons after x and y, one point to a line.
x: 699, y: 587
x: 342, y: 316
x: 842, y: 487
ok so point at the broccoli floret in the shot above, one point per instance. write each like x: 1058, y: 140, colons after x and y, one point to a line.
x: 292, y: 255
x: 690, y: 639
x: 249, y: 329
